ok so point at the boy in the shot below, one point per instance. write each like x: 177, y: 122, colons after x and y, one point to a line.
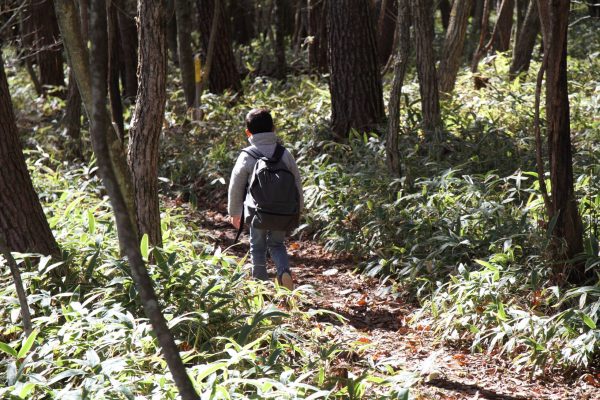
x: 261, y: 135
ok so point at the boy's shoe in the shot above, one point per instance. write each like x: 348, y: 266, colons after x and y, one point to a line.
x: 286, y: 281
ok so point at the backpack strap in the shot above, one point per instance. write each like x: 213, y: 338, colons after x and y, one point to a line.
x: 253, y: 152
x: 256, y: 154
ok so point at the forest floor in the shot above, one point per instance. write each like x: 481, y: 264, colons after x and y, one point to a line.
x: 378, y: 317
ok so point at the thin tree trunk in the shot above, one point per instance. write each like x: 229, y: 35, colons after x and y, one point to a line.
x: 355, y: 82
x: 422, y: 15
x: 21, y: 295
x: 568, y: 230
x: 125, y: 228
x: 280, y: 39
x: 72, y: 118
x: 401, y: 61
x: 184, y: 45
x: 49, y: 55
x: 22, y: 219
x: 445, y: 6
x: 242, y: 13
x: 171, y: 32
x: 482, y: 48
x: 114, y: 91
x: 385, y: 30
x: 147, y: 120
x: 317, y: 30
x: 473, y: 35
x: 525, y: 41
x: 453, y: 44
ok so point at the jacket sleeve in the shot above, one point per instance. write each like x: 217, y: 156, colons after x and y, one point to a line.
x: 237, y: 186
x: 293, y: 167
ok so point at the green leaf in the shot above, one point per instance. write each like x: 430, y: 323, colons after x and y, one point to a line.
x: 144, y: 246
x: 209, y: 369
x: 7, y: 349
x: 588, y: 321
x: 91, y: 222
x: 28, y: 344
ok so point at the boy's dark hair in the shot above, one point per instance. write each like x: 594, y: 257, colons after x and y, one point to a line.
x: 259, y: 120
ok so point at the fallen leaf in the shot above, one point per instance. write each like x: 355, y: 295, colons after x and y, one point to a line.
x: 330, y: 272
x: 294, y: 246
x: 364, y: 340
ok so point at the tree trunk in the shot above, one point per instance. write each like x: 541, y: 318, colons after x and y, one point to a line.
x: 385, y: 30
x: 280, y: 27
x: 482, y: 48
x: 445, y: 7
x: 473, y: 35
x: 453, y: 44
x: 49, y: 56
x: 114, y: 91
x: 525, y: 41
x: 225, y: 74
x: 125, y: 227
x: 317, y: 30
x: 184, y: 45
x: 503, y: 27
x: 22, y: 219
x: 72, y: 118
x: 521, y: 7
x: 400, y: 64
x: 242, y: 14
x: 568, y: 230
x: 422, y: 16
x: 147, y: 120
x: 128, y: 42
x: 355, y: 82
x: 594, y: 8
x: 171, y: 32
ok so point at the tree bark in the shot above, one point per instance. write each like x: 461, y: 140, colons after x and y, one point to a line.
x: 317, y: 30
x: 280, y: 16
x: 422, y: 16
x: 453, y: 44
x: 355, y: 82
x: 594, y: 8
x: 125, y: 228
x: 385, y: 30
x: 49, y: 56
x: 171, y: 32
x: 147, y: 120
x: 128, y: 51
x: 401, y: 62
x: 72, y: 118
x: 184, y: 45
x: 226, y: 76
x: 22, y: 219
x: 502, y: 29
x: 568, y: 230
x: 482, y: 48
x: 525, y: 41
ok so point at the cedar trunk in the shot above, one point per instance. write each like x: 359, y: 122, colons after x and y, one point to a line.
x: 525, y: 41
x: 22, y: 219
x: 147, y: 120
x: 49, y: 57
x: 242, y: 15
x: 280, y: 28
x: 400, y: 63
x: 445, y: 8
x: 453, y: 44
x: 225, y: 74
x: 568, y: 231
x: 355, y: 82
x: 422, y: 16
x: 114, y: 90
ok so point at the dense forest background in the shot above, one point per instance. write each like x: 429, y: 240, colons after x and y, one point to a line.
x: 450, y: 161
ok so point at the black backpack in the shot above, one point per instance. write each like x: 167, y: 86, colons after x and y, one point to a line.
x: 272, y: 198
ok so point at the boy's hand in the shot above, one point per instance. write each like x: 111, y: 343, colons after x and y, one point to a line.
x: 235, y: 221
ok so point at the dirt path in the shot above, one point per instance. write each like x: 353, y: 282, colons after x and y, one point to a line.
x: 378, y: 319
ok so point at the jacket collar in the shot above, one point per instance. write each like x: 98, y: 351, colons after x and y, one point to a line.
x: 263, y: 138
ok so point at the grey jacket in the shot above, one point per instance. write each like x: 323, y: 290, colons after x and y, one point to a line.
x: 265, y: 142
